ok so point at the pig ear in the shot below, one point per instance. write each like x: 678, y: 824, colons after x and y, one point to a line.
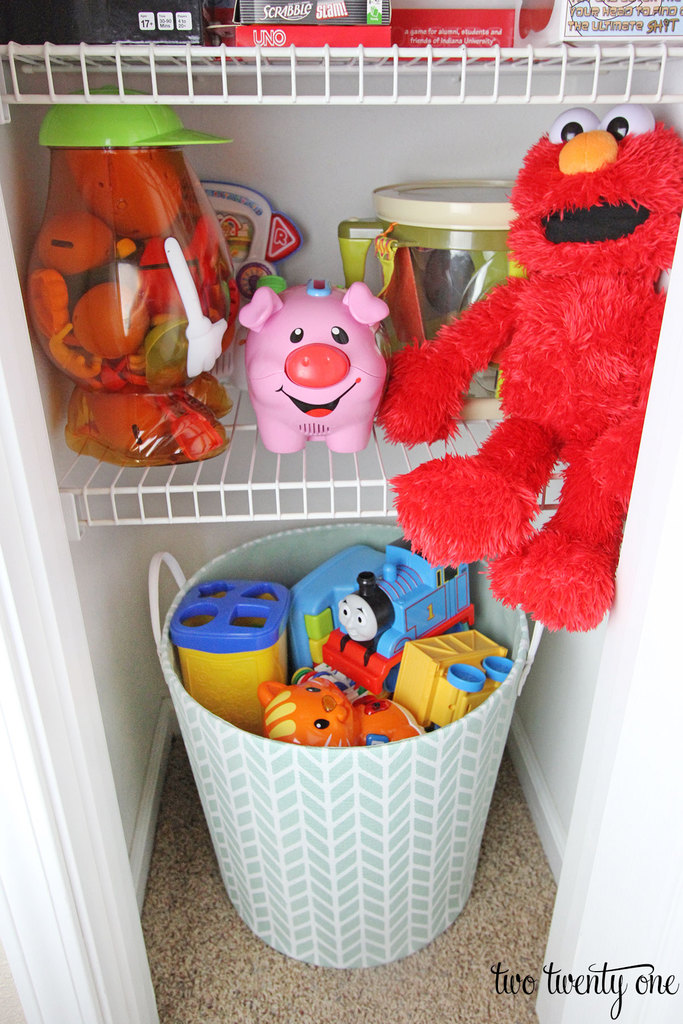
x: 363, y: 306
x: 256, y: 313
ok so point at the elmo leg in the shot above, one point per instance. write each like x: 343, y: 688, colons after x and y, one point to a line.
x: 564, y: 577
x: 459, y: 509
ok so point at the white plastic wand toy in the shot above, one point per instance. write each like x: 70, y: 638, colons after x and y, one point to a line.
x: 203, y: 337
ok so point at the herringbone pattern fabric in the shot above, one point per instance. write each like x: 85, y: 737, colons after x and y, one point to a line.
x: 351, y: 857
x: 347, y: 857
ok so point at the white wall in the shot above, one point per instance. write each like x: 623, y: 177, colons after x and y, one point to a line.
x: 549, y: 730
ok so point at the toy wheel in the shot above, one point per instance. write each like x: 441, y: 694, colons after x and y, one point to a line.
x: 249, y: 275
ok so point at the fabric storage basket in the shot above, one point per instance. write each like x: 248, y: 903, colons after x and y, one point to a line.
x: 343, y: 857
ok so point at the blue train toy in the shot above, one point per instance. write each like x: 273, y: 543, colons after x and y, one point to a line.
x: 408, y: 599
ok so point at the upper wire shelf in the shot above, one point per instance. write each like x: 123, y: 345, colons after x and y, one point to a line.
x: 221, y: 75
x: 248, y: 483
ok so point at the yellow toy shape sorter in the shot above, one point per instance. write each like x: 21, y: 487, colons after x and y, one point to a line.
x: 230, y: 636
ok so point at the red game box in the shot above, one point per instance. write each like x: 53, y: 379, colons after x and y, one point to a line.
x: 452, y: 26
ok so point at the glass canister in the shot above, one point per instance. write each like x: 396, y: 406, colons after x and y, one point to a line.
x: 441, y: 245
x: 130, y: 288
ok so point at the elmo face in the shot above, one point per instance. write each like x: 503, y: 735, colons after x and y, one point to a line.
x: 599, y: 196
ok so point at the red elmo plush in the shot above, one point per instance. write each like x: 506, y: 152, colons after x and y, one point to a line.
x: 597, y: 209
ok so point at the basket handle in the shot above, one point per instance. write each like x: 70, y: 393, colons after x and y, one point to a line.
x: 536, y: 635
x: 159, y: 559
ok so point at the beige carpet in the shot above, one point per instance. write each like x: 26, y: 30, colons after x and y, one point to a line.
x: 208, y: 967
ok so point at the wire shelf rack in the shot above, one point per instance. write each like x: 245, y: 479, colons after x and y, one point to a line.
x: 221, y: 75
x: 247, y: 483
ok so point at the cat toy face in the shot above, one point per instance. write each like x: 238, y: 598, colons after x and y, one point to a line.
x: 315, y: 713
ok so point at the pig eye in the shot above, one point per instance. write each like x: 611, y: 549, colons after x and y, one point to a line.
x: 297, y: 334
x: 339, y: 335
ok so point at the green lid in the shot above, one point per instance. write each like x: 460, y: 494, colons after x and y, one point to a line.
x: 98, y: 126
x: 274, y: 281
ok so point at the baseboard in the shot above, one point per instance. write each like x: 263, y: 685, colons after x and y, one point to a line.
x: 541, y: 804
x: 145, y: 823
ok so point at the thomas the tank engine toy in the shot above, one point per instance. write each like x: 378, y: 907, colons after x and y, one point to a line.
x: 409, y: 600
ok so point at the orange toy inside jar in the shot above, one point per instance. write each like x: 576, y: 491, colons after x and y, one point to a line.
x: 111, y: 318
x: 101, y: 291
x: 137, y: 192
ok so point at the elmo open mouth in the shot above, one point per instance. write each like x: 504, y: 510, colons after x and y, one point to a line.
x: 596, y: 224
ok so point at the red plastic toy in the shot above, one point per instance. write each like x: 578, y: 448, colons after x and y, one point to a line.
x: 597, y: 207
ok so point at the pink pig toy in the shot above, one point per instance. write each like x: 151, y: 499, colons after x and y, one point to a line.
x: 314, y: 368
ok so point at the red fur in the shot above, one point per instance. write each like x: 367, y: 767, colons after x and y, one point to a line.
x: 576, y: 342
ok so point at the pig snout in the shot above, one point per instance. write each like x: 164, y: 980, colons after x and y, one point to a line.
x: 317, y: 366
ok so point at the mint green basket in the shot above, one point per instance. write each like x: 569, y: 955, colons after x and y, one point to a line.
x: 343, y: 857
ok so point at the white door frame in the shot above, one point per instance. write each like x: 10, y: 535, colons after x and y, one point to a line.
x: 68, y: 915
x: 620, y: 896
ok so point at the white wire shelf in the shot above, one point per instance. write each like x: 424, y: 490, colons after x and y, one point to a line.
x: 220, y: 75
x: 247, y: 483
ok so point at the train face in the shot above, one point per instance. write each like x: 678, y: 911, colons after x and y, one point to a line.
x: 410, y: 600
x: 367, y: 612
x: 357, y: 618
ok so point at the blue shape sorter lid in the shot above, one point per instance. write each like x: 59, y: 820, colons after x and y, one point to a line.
x: 229, y: 616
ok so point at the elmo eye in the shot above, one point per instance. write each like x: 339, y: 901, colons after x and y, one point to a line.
x: 628, y: 119
x: 618, y: 127
x: 571, y: 130
x: 297, y: 334
x: 339, y: 335
x: 572, y: 123
x: 321, y: 723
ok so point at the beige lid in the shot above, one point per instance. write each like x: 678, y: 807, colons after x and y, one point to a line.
x: 454, y: 205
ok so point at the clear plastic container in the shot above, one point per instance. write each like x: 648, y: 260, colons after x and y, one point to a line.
x: 102, y: 297
x: 441, y: 245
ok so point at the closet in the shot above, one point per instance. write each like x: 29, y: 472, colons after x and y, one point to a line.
x: 85, y: 718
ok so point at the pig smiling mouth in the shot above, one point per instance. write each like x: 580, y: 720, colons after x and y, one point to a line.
x: 319, y: 410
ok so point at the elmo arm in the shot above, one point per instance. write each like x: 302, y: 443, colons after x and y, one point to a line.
x: 613, y: 456
x: 427, y: 382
